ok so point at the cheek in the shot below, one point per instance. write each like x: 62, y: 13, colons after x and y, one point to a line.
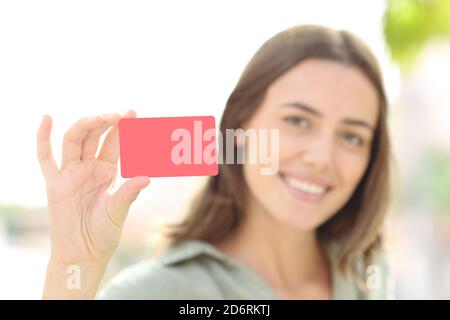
x: 251, y: 176
x: 256, y: 185
x: 290, y: 145
x: 265, y: 189
x: 351, y: 168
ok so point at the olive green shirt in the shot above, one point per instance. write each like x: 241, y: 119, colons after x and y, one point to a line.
x: 197, y: 270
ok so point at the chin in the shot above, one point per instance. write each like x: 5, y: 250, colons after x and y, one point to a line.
x: 301, y: 220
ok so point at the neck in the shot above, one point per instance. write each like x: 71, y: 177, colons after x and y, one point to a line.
x: 285, y: 257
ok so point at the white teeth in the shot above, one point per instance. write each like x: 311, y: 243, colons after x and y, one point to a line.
x: 305, y: 186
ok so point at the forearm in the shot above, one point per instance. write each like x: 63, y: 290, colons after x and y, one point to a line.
x: 73, y: 281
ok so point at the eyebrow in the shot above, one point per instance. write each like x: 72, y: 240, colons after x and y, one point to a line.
x: 311, y: 110
x: 302, y: 106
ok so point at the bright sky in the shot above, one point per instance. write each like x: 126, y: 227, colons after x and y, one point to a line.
x: 72, y: 59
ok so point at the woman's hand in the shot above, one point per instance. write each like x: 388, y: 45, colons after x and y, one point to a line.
x: 85, y: 217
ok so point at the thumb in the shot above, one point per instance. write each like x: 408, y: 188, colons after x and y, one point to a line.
x: 120, y: 201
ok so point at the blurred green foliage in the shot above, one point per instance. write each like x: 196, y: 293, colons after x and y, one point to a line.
x: 410, y: 24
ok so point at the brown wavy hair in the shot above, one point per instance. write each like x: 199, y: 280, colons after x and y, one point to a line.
x: 219, y: 207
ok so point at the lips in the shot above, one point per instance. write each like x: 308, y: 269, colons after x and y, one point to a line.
x: 305, y: 188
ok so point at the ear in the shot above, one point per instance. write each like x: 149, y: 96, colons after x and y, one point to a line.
x: 237, y: 140
x: 239, y: 136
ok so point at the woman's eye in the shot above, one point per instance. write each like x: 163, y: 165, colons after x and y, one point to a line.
x: 353, y: 139
x: 297, y: 121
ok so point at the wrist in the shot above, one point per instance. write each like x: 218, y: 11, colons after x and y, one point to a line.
x: 74, y: 280
x: 86, y: 263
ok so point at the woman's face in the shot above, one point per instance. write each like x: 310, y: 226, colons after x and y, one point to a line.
x: 326, y: 113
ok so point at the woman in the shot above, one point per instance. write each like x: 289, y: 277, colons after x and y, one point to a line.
x: 313, y: 230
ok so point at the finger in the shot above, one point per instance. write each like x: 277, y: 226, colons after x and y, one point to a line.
x: 119, y: 202
x: 113, y: 180
x: 72, y: 144
x: 44, y: 148
x: 90, y: 143
x: 110, y: 148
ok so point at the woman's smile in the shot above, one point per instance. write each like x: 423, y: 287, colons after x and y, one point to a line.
x: 305, y: 188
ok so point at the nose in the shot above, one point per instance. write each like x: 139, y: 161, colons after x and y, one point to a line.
x: 318, y: 152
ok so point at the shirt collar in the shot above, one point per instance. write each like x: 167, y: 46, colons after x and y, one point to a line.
x: 190, y: 249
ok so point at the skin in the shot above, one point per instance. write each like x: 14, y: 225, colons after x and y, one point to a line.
x: 317, y: 141
x: 86, y: 218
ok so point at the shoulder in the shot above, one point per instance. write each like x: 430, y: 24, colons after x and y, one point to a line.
x: 373, y: 281
x: 180, y: 273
